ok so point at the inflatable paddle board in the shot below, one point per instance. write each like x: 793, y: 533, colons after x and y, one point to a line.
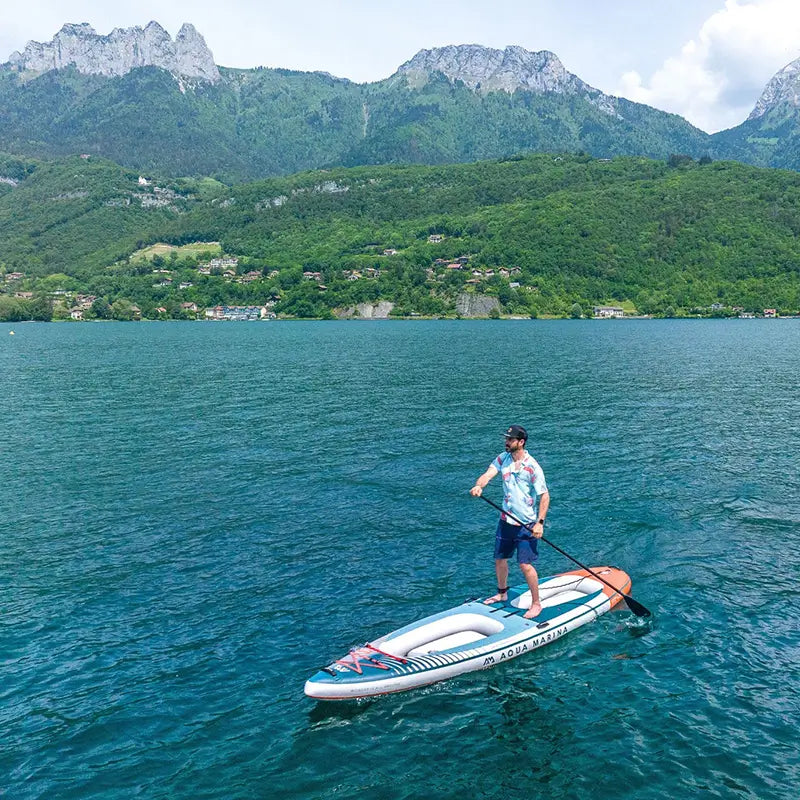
x: 469, y: 637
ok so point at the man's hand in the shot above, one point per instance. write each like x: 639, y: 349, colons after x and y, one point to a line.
x: 538, y: 530
x: 476, y: 491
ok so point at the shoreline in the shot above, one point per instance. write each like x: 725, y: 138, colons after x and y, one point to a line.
x: 404, y: 319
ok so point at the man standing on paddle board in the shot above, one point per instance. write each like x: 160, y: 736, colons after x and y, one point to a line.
x: 525, y: 496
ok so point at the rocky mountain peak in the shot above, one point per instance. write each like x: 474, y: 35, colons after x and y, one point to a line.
x: 486, y: 69
x: 782, y: 90
x: 122, y: 50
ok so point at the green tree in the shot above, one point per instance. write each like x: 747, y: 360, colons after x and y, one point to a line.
x: 101, y: 308
x: 122, y: 310
x: 40, y: 308
x: 11, y: 309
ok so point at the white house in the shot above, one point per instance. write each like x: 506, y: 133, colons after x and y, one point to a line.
x: 605, y: 312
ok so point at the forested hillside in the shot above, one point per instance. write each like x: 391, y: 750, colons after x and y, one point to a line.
x: 262, y: 122
x: 538, y: 233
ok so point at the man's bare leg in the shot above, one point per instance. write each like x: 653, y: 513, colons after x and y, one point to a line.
x: 532, y: 579
x: 501, y: 570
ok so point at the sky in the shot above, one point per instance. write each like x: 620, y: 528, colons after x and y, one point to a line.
x: 707, y: 60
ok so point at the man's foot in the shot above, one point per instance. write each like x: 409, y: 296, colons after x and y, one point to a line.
x: 500, y: 597
x: 533, y: 611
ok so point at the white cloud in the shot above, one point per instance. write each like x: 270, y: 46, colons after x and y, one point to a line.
x: 717, y: 77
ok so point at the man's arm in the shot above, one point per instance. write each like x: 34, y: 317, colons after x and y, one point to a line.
x: 480, y: 484
x: 544, y: 504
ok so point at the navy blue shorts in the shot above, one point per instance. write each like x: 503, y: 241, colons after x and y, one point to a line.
x: 514, y: 537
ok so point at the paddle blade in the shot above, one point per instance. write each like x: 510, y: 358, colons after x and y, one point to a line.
x: 636, y: 607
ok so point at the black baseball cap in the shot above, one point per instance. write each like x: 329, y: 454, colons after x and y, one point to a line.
x: 516, y: 432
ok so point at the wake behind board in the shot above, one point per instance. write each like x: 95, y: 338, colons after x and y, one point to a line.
x: 469, y: 637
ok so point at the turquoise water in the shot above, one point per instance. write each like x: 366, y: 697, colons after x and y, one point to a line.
x: 195, y: 517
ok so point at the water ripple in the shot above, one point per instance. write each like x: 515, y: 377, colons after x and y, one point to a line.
x: 196, y: 517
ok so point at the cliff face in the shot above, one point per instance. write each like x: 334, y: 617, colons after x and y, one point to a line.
x: 782, y: 92
x: 476, y: 305
x: 122, y: 50
x: 484, y: 69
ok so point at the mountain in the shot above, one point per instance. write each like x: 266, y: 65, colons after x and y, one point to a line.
x: 783, y: 91
x: 770, y: 136
x: 152, y: 104
x: 484, y: 70
x: 121, y: 51
x: 478, y: 102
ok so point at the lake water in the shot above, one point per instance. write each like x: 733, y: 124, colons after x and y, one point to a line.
x: 196, y: 516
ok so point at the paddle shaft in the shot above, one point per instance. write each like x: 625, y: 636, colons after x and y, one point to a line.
x: 632, y: 604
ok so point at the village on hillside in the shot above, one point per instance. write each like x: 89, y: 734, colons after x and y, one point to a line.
x: 177, y: 291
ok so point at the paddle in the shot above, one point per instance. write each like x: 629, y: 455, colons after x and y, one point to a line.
x: 632, y: 604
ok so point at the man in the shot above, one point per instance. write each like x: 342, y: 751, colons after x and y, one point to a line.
x: 525, y: 496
